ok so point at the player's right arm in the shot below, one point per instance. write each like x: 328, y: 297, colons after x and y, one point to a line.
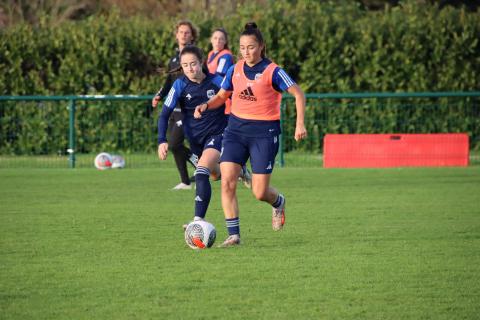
x: 172, y: 74
x: 168, y: 106
x: 156, y: 98
x: 214, y: 102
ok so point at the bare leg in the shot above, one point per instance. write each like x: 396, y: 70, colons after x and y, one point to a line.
x: 230, y: 172
x: 261, y: 188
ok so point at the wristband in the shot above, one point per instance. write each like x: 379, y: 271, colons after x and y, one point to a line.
x: 206, y: 103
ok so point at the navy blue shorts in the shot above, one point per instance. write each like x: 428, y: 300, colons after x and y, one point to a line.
x: 260, y: 150
x: 214, y: 142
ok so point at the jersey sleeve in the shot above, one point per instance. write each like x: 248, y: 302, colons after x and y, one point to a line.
x: 224, y: 63
x: 174, y: 94
x: 217, y: 80
x: 281, y: 80
x: 170, y: 103
x: 227, y: 83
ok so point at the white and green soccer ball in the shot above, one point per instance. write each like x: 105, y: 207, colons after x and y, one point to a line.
x: 200, y: 234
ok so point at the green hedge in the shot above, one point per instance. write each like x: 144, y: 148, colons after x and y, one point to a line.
x: 326, y: 47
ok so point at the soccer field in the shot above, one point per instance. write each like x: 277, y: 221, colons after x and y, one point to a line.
x: 358, y: 244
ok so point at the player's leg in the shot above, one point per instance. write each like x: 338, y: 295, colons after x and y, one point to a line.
x: 262, y: 158
x: 230, y: 172
x: 207, y: 167
x: 234, y: 155
x: 262, y: 190
x: 180, y: 152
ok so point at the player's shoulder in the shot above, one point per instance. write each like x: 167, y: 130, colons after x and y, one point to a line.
x: 174, y: 61
x: 180, y: 83
x: 227, y: 54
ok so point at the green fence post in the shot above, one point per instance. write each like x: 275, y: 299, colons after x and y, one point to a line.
x: 282, y: 116
x: 71, y: 135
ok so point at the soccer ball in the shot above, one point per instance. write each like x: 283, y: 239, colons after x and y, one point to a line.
x: 118, y: 162
x: 200, y: 234
x: 103, y: 161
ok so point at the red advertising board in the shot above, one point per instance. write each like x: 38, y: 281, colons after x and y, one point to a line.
x: 395, y: 150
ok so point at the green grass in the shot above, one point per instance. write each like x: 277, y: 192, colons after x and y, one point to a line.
x: 358, y: 244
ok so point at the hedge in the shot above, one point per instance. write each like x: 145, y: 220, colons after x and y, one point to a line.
x: 324, y: 46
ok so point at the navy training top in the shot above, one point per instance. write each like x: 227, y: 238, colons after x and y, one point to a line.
x: 189, y: 95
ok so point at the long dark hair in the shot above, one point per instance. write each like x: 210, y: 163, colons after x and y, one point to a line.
x: 251, y: 29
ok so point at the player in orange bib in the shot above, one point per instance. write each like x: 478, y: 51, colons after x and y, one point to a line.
x: 220, y: 58
x: 255, y: 84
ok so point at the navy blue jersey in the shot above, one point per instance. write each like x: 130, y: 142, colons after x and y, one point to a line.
x: 189, y: 95
x: 281, y: 81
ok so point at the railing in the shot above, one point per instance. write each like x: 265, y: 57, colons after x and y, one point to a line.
x: 417, y: 112
x: 72, y: 99
x: 326, y: 113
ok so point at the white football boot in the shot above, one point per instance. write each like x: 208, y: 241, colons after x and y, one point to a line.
x: 278, y: 216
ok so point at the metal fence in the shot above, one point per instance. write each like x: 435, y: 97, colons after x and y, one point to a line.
x: 57, y: 131
x: 425, y: 112
x: 67, y: 131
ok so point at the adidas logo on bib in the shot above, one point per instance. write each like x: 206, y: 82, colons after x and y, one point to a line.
x: 247, y: 94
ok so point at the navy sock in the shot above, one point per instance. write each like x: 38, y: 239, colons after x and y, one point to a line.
x: 203, y: 192
x: 233, y: 226
x: 279, y: 201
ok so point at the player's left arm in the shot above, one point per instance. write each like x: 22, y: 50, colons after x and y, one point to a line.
x: 224, y: 63
x: 300, y: 131
x: 283, y: 82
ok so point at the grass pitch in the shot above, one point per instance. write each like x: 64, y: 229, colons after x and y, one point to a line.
x: 358, y: 244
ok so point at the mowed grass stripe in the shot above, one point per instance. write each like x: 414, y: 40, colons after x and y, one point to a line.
x: 371, y: 244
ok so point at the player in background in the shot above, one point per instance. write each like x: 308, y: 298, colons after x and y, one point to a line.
x: 205, y: 134
x: 255, y: 84
x: 185, y: 34
x: 219, y: 60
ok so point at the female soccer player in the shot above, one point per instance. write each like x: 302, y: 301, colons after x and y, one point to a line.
x: 185, y: 34
x: 255, y: 84
x: 204, y: 135
x: 220, y: 58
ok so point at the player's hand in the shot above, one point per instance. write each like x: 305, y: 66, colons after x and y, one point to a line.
x: 199, y: 110
x: 300, y: 132
x: 162, y: 151
x: 156, y: 99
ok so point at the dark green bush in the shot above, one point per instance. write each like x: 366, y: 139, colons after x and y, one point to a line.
x: 326, y: 47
